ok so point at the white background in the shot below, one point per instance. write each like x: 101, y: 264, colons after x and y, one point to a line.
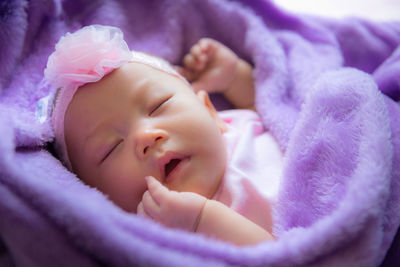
x: 378, y: 10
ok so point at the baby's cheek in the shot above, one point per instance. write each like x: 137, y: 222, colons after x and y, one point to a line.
x: 122, y: 180
x: 124, y: 192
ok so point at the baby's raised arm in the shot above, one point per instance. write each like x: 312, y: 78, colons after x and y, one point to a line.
x: 213, y: 67
x: 193, y: 212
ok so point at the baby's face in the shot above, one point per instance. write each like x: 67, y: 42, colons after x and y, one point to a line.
x: 139, y: 121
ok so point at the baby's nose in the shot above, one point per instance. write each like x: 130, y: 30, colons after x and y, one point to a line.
x: 147, y: 138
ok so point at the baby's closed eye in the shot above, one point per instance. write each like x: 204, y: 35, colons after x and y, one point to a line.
x: 159, y: 104
x: 110, y: 149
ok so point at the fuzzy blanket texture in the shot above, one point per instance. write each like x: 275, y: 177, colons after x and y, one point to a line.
x: 328, y: 90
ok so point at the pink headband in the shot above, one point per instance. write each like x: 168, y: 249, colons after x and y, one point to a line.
x: 85, y: 56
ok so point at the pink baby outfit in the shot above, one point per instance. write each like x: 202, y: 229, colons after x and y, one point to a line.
x: 251, y: 181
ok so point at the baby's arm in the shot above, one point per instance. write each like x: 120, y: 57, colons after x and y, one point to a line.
x: 221, y: 222
x: 192, y: 212
x: 213, y: 67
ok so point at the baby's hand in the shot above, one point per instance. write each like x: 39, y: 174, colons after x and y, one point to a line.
x: 173, y: 209
x: 209, y: 66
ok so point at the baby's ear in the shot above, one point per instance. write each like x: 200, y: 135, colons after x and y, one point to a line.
x: 203, y: 95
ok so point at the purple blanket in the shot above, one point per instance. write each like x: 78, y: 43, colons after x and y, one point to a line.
x: 326, y: 89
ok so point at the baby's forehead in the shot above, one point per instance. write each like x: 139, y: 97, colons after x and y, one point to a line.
x: 133, y: 83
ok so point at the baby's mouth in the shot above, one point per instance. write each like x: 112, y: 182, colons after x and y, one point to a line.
x: 170, y: 166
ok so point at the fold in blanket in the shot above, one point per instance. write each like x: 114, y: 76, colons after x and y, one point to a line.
x: 326, y: 89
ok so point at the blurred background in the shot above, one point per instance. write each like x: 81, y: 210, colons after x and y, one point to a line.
x: 378, y: 10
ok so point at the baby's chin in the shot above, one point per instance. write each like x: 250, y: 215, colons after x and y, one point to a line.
x: 207, y: 190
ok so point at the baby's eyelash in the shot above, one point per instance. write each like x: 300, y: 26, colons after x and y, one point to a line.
x: 111, y: 150
x: 159, y: 105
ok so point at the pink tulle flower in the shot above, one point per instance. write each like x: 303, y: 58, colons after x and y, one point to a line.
x: 86, y: 56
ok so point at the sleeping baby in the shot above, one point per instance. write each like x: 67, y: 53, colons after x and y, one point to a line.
x: 146, y: 134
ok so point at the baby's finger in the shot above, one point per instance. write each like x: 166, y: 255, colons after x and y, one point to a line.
x: 204, y: 45
x: 199, y: 58
x: 157, y: 191
x: 195, y: 51
x: 189, y: 62
x: 150, y: 206
x: 140, y: 210
x: 207, y: 45
x: 201, y: 62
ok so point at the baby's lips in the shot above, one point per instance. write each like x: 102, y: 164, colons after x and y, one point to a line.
x: 164, y: 160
